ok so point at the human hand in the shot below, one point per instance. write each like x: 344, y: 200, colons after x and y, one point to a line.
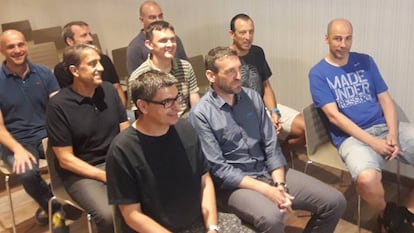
x: 386, y: 148
x: 22, y: 157
x: 280, y: 198
x: 276, y: 122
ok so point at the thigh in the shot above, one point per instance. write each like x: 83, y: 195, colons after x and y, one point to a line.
x: 90, y: 194
x: 255, y: 209
x: 406, y: 140
x: 288, y: 116
x: 308, y: 194
x: 358, y: 157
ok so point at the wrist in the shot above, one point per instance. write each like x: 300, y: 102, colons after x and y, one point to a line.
x: 213, y: 228
x: 281, y: 185
x: 275, y: 111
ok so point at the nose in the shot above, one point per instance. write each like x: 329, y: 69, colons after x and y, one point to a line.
x: 89, y: 38
x: 238, y: 75
x: 100, y: 67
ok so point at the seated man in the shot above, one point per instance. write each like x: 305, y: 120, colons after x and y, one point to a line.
x: 157, y: 175
x: 350, y: 90
x: 161, y: 41
x: 78, y: 32
x: 256, y: 73
x: 25, y: 89
x: 137, y: 52
x: 247, y: 165
x: 82, y: 120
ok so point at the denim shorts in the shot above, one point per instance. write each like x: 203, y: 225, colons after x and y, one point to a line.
x: 358, y: 156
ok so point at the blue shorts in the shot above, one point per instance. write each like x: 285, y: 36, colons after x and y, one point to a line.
x: 358, y: 156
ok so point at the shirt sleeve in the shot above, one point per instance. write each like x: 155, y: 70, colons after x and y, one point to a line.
x: 192, y: 80
x: 228, y: 175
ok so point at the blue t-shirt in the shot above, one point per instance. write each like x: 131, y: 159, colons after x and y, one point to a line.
x: 23, y: 101
x: 353, y: 87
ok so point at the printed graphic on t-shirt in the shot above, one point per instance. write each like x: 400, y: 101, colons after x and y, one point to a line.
x: 350, y: 89
x: 251, y: 78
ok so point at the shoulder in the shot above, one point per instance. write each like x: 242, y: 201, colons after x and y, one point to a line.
x: 105, y: 58
x: 40, y: 68
x: 144, y: 67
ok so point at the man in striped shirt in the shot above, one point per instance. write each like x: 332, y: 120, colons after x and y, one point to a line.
x: 161, y: 41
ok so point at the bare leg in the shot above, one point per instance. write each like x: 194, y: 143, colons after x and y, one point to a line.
x: 370, y: 188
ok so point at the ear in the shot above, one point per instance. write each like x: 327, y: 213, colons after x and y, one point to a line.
x: 231, y: 33
x: 74, y: 70
x: 141, y: 19
x: 211, y: 76
x: 142, y: 106
x: 326, y: 38
x: 148, y: 44
x: 70, y: 41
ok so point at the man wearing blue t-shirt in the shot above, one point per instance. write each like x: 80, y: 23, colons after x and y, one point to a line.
x: 350, y: 90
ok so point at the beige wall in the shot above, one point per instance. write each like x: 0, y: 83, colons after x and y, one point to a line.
x: 291, y: 32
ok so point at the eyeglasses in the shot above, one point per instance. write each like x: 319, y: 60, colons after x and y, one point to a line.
x: 167, y: 103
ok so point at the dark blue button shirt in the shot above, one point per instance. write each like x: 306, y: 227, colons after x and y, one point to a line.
x: 23, y: 101
x: 238, y: 140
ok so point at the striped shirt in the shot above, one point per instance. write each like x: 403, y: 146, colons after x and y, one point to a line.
x: 181, y: 70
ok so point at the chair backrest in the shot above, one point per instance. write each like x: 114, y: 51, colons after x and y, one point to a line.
x: 318, y: 142
x: 50, y: 34
x: 197, y: 62
x: 23, y: 26
x: 55, y: 181
x: 119, y: 59
x: 44, y: 53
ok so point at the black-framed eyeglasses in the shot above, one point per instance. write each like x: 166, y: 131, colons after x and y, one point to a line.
x: 167, y: 103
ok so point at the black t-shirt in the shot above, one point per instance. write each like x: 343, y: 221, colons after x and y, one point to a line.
x: 86, y: 124
x: 163, y: 174
x: 109, y: 74
x: 255, y: 69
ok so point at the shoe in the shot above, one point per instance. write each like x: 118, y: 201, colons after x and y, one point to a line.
x: 398, y: 219
x: 71, y: 212
x: 41, y: 217
x: 58, y: 223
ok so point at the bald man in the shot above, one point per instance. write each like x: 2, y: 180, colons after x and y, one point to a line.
x: 25, y: 89
x: 349, y: 89
x: 137, y: 52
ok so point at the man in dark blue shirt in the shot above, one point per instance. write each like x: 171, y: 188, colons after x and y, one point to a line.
x: 248, y: 167
x: 25, y: 89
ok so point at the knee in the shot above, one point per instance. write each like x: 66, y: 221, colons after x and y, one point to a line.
x: 368, y: 178
x: 104, y: 221
x: 29, y: 177
x: 336, y: 203
x: 269, y: 222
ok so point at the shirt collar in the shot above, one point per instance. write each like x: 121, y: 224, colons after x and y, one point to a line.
x: 218, y: 101
x: 9, y: 74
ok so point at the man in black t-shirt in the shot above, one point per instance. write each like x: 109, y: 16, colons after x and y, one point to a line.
x: 82, y: 120
x: 157, y: 174
x: 78, y: 32
x: 256, y: 73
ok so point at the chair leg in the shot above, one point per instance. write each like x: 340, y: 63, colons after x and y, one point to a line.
x: 306, y: 165
x: 398, y: 181
x: 6, y: 181
x: 292, y: 154
x: 359, y: 214
x: 89, y: 218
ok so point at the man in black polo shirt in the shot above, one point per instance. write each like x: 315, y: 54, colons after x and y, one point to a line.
x: 82, y: 121
x: 78, y: 32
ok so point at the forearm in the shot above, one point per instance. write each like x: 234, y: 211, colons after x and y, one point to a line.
x: 68, y: 161
x: 139, y: 221
x: 208, y: 201
x: 269, y: 97
x: 7, y: 140
x: 388, y: 107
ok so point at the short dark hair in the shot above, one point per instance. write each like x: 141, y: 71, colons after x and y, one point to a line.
x: 145, y: 87
x: 67, y: 29
x: 236, y: 17
x: 215, y: 54
x: 72, y: 55
x: 157, y: 26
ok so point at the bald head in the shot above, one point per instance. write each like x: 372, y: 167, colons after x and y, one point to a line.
x: 11, y: 33
x: 338, y: 23
x: 149, y: 12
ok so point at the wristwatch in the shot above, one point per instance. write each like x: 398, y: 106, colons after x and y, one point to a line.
x: 275, y: 110
x: 213, y: 228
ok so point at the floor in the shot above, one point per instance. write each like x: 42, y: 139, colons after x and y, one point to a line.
x: 295, y: 221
